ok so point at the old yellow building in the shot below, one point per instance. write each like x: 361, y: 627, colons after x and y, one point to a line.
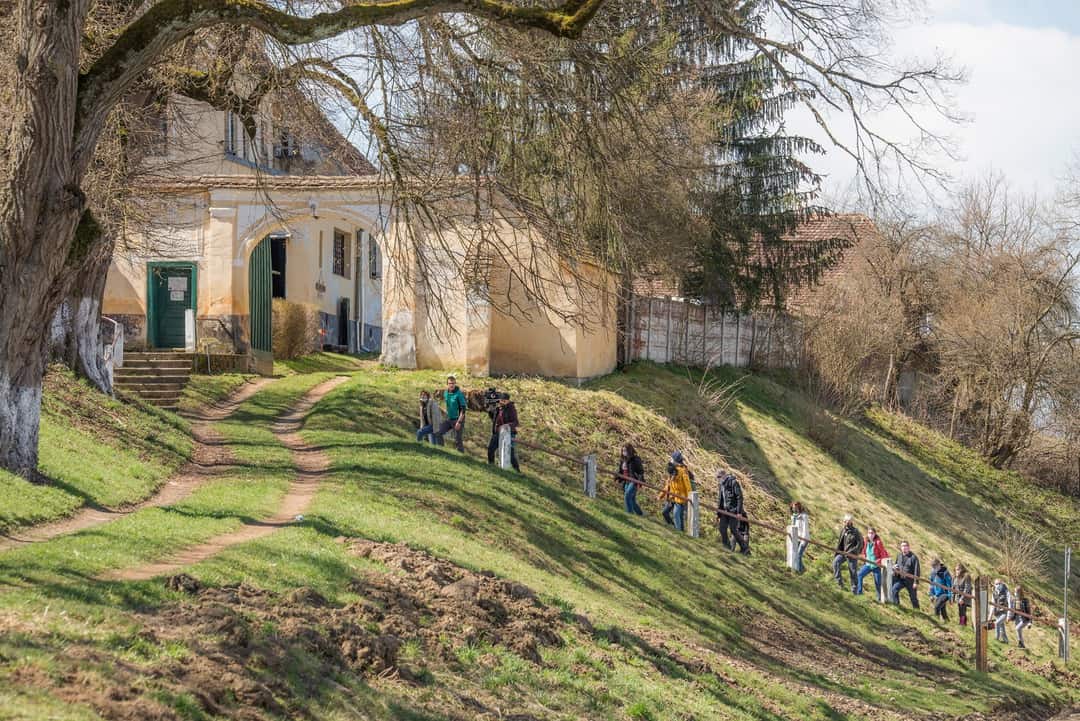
x: 239, y: 222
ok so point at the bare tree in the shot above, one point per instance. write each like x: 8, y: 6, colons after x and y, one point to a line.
x: 66, y: 84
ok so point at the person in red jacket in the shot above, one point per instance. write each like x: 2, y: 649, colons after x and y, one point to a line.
x: 875, y: 553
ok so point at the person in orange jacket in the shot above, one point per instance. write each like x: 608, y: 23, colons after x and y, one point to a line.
x: 676, y: 492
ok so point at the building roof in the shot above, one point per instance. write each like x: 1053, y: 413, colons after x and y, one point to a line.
x: 266, y: 181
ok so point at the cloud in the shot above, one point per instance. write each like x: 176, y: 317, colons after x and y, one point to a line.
x: 1020, y: 98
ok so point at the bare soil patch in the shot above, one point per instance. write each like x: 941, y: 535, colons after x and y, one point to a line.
x: 253, y: 655
x: 310, y: 464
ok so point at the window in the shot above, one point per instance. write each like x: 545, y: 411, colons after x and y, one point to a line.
x: 374, y: 262
x: 230, y: 133
x: 341, y: 254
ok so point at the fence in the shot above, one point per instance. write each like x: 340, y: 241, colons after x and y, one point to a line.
x: 979, y: 596
x: 670, y: 330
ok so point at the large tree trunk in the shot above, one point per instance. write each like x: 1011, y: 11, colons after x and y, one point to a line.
x: 40, y: 208
x: 76, y: 326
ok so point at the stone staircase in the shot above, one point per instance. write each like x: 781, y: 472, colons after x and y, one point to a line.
x: 156, y: 377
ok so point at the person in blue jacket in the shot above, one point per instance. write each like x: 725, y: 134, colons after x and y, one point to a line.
x: 940, y: 588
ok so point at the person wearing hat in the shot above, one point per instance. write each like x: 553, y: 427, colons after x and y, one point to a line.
x: 504, y: 414
x: 456, y: 404
x: 730, y: 510
x: 676, y: 492
x: 940, y: 588
x: 848, y: 548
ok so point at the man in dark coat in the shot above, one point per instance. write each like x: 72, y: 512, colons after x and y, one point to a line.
x: 906, y: 574
x: 848, y: 546
x: 731, y: 501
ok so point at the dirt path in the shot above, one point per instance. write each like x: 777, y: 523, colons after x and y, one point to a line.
x: 310, y: 465
x: 209, y: 458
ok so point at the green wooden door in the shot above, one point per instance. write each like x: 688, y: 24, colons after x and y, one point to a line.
x: 172, y: 288
x: 259, y: 287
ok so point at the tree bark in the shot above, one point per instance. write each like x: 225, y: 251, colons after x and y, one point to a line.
x: 76, y: 326
x: 40, y: 209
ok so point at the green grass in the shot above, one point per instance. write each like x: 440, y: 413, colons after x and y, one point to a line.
x: 677, y: 628
x: 323, y: 362
x: 94, y: 451
x: 206, y: 390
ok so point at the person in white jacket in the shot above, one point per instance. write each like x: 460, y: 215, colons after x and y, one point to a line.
x: 1001, y: 603
x: 801, y: 520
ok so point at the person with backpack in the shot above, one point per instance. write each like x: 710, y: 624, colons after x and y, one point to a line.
x: 801, y: 520
x: 504, y: 414
x: 1023, y: 605
x: 430, y: 418
x: 730, y: 501
x: 876, y: 555
x: 631, y: 474
x: 676, y: 492
x: 1000, y: 604
x: 848, y: 547
x: 906, y: 572
x: 963, y: 590
x: 941, y: 587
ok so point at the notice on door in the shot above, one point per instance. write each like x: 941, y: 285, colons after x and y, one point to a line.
x: 177, y: 283
x: 176, y: 295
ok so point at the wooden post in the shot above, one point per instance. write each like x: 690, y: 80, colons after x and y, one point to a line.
x: 738, y: 335
x: 704, y: 336
x: 792, y: 546
x: 667, y: 339
x: 886, y: 582
x: 590, y: 475
x: 505, y: 447
x: 693, y: 526
x: 648, y: 332
x: 981, y: 608
x: 1065, y: 608
x: 723, y: 316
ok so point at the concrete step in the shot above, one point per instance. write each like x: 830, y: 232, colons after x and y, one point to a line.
x: 139, y: 375
x: 151, y: 394
x: 172, y: 366
x: 144, y: 389
x: 159, y: 355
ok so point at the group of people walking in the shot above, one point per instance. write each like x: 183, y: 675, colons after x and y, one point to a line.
x: 852, y: 547
x: 434, y: 424
x: 860, y: 555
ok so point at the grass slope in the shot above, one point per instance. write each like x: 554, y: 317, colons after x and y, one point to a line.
x: 95, y: 451
x: 653, y: 625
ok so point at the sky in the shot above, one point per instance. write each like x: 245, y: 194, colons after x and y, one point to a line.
x: 1021, y: 98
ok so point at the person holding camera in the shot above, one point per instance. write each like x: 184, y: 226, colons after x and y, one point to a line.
x: 503, y: 414
x: 455, y: 414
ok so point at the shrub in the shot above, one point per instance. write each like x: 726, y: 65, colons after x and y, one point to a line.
x: 295, y: 329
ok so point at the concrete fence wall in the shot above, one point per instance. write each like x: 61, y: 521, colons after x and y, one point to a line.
x: 672, y: 330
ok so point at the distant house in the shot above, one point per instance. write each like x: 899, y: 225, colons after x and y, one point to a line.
x: 302, y: 216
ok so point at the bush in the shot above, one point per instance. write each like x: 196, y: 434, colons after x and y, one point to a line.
x: 295, y: 329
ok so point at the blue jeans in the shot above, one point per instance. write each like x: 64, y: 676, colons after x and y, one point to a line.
x: 630, y: 499
x: 680, y: 514
x: 894, y: 592
x: 869, y: 568
x: 799, y: 567
x: 428, y: 431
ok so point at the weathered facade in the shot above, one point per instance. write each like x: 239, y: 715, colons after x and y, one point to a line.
x: 239, y: 222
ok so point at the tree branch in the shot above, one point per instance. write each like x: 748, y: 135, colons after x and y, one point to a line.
x: 170, y: 21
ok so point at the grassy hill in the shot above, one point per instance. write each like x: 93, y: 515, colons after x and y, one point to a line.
x: 425, y: 585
